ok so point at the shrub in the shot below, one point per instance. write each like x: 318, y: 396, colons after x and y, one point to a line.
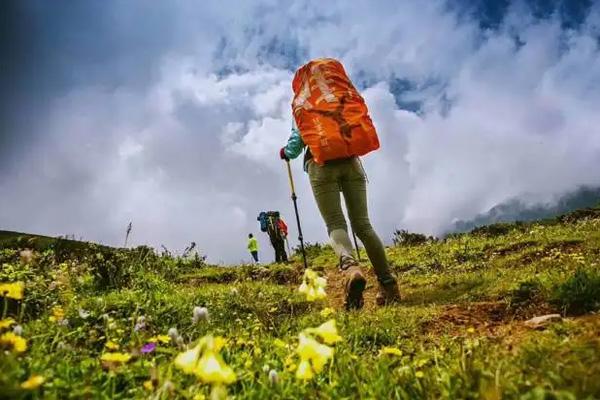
x: 404, y: 237
x: 493, y: 230
x: 579, y: 294
x: 524, y: 293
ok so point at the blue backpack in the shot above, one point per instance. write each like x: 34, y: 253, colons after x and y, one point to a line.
x: 264, y: 218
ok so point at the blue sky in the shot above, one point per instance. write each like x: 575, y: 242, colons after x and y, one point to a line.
x: 170, y: 114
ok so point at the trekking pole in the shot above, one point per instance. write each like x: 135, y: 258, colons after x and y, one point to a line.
x: 356, y: 245
x: 294, y: 198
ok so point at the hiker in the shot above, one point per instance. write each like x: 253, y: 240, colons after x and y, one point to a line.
x: 253, y: 247
x: 283, y: 228
x: 269, y: 223
x: 331, y: 122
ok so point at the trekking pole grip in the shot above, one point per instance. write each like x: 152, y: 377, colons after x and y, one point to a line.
x: 289, y: 169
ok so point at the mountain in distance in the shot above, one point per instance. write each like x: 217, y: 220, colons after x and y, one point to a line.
x: 517, y: 210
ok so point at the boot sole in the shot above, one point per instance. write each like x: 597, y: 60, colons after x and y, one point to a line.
x: 354, y: 298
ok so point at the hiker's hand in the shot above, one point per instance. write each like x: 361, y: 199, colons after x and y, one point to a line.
x: 282, y: 154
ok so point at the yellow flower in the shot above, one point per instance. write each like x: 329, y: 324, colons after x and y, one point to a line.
x: 320, y: 282
x: 115, y: 358
x: 419, y: 374
x: 394, y: 351
x: 422, y: 362
x: 148, y: 385
x: 304, y: 371
x: 303, y: 287
x: 326, y: 331
x: 289, y: 360
x: 311, y: 350
x: 6, y: 323
x: 111, y: 345
x: 187, y: 360
x: 310, y: 274
x: 279, y: 343
x: 164, y: 339
x: 326, y: 312
x: 471, y: 330
x: 58, y: 314
x: 291, y: 367
x: 12, y: 290
x: 160, y: 338
x: 205, y: 362
x: 211, y: 343
x: 313, y: 286
x: 316, y: 293
x: 13, y: 342
x: 33, y: 382
x: 212, y: 369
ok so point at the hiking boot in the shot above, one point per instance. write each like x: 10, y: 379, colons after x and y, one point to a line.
x: 354, y: 285
x: 388, y: 294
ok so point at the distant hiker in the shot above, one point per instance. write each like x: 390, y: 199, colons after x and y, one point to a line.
x: 282, y: 227
x: 270, y: 223
x: 284, y: 232
x: 253, y: 247
x: 331, y: 121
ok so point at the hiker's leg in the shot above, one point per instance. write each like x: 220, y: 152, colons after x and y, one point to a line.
x: 274, y: 244
x: 354, y: 187
x: 255, y: 256
x: 281, y: 250
x: 284, y: 256
x: 326, y: 189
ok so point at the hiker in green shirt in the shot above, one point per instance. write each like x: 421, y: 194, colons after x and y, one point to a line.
x: 253, y: 247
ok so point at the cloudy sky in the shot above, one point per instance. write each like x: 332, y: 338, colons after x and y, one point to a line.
x: 170, y: 114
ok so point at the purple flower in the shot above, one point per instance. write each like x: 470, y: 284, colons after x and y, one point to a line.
x: 148, y: 348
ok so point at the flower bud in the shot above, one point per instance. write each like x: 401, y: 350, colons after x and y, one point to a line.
x: 200, y: 314
x: 273, y: 377
x: 173, y: 333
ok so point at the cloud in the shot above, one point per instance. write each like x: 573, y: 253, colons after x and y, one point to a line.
x: 182, y: 139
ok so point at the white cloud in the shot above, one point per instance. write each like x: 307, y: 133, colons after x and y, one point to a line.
x: 192, y: 156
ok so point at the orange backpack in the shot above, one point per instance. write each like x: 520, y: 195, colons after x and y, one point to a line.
x: 331, y: 115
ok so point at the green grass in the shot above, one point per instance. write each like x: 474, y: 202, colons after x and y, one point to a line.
x: 460, y: 328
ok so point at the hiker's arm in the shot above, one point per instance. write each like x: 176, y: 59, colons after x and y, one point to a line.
x: 295, y: 145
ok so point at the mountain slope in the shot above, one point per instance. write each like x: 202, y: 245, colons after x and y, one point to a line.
x: 96, y: 324
x: 517, y: 210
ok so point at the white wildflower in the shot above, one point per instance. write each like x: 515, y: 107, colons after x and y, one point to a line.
x: 173, y: 333
x: 200, y: 314
x: 273, y: 377
x: 18, y: 330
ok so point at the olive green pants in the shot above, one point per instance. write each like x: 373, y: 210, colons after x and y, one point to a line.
x: 347, y: 176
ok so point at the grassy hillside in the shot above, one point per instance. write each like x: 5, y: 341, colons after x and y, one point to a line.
x: 460, y: 332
